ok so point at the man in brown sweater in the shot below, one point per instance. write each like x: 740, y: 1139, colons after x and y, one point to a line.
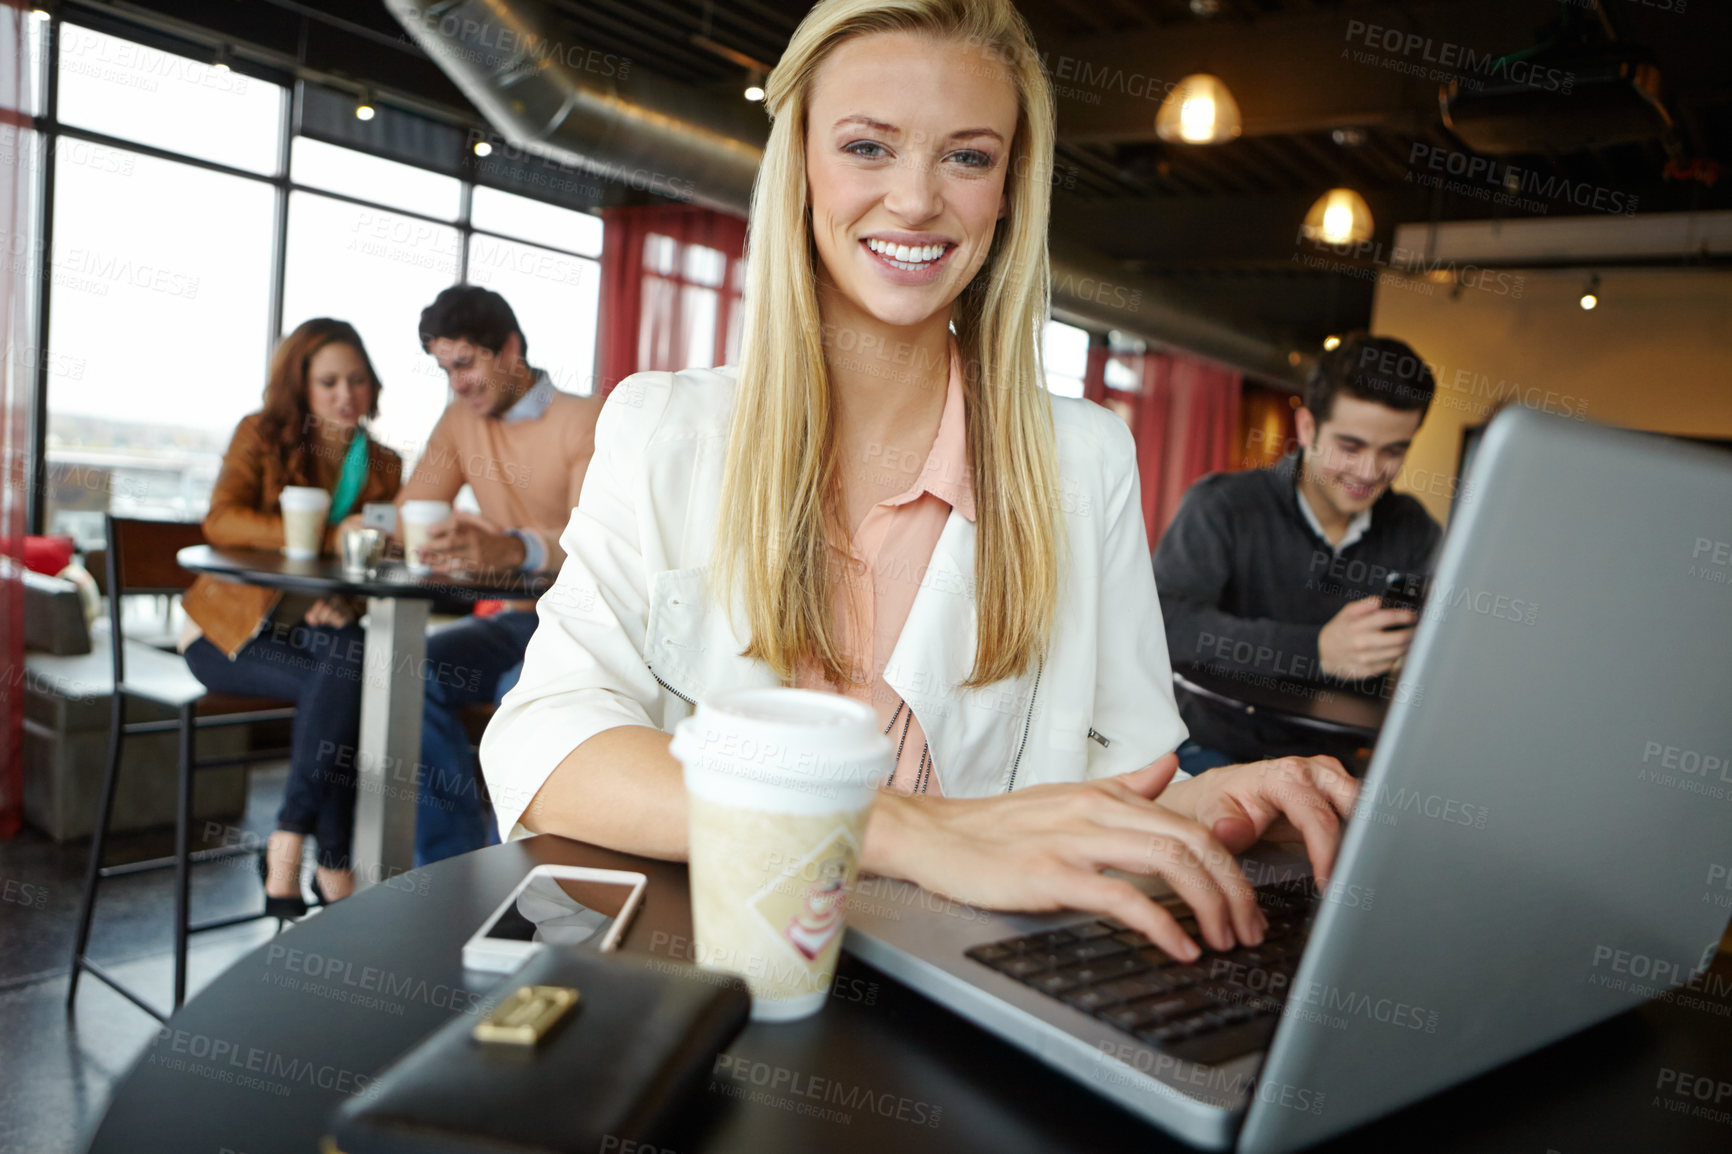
x: 522, y: 446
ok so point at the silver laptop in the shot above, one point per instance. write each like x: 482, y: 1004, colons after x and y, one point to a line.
x: 1535, y: 848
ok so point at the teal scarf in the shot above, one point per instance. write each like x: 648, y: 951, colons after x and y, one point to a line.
x: 354, y: 477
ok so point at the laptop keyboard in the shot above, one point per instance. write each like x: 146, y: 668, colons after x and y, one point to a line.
x: 1211, y: 1011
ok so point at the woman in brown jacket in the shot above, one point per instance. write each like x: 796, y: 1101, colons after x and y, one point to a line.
x: 249, y: 640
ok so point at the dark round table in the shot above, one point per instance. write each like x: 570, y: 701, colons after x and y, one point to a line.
x: 259, y: 1060
x: 1331, y: 710
x: 398, y: 604
x: 326, y: 576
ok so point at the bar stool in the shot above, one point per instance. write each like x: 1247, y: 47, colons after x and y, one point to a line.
x: 141, y: 559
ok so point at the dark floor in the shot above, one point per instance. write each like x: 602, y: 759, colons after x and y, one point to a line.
x: 59, y: 1067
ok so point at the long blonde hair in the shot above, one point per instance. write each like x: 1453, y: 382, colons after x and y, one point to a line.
x: 782, y: 470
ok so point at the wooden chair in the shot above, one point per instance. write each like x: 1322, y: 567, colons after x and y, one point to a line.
x: 141, y: 559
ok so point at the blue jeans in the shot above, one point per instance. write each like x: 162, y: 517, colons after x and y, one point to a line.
x: 1195, y: 758
x: 319, y: 669
x: 471, y: 662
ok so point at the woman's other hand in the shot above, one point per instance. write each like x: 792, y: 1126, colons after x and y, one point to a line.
x: 1288, y: 799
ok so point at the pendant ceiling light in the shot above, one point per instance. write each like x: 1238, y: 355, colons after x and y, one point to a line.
x: 1199, y: 110
x: 1340, y: 216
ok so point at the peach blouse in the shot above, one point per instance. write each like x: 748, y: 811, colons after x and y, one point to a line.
x: 885, y: 564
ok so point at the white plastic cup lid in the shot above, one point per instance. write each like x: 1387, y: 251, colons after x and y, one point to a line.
x: 304, y: 499
x: 784, y: 750
x: 426, y: 512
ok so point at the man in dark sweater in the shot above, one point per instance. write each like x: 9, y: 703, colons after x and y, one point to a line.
x: 1278, y: 573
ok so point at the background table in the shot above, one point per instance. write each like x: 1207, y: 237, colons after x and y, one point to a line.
x: 1325, y: 709
x: 398, y: 603
x: 334, y: 1000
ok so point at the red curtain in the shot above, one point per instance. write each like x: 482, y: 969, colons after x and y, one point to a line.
x: 15, y: 386
x: 671, y: 279
x: 1183, y: 412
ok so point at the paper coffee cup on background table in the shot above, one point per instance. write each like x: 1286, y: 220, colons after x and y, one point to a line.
x: 416, y: 517
x: 304, y: 512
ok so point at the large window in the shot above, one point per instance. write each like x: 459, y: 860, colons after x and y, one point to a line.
x: 161, y: 276
x: 163, y: 272
x: 1066, y: 355
x: 1123, y: 374
x: 377, y: 270
x: 378, y: 265
x: 684, y: 289
x: 510, y: 215
x: 553, y: 281
x: 556, y: 297
x: 127, y: 90
x: 320, y: 165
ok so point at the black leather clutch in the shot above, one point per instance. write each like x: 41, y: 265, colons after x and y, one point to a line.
x: 599, y: 1052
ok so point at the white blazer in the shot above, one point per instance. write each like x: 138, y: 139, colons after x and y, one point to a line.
x: 630, y: 634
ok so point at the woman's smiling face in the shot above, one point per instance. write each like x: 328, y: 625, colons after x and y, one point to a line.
x: 339, y: 387
x: 907, y: 147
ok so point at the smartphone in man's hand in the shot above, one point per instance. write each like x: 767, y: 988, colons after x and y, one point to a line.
x: 1404, y: 591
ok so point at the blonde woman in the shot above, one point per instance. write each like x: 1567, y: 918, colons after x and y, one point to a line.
x: 883, y: 500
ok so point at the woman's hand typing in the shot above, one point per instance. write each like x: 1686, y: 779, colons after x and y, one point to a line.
x: 1044, y: 847
x: 1041, y: 848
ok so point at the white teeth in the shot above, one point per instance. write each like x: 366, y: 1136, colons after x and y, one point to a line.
x: 903, y: 255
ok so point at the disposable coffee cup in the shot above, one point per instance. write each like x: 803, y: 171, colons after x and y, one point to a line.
x: 779, y: 786
x: 417, y: 517
x: 304, y: 511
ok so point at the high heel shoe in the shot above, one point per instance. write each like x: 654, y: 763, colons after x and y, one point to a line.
x: 295, y: 907
x: 321, y: 898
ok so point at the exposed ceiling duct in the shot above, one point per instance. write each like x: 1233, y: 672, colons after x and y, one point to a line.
x: 552, y: 96
x: 1082, y: 293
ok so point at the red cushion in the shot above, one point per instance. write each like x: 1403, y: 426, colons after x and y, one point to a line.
x: 47, y: 555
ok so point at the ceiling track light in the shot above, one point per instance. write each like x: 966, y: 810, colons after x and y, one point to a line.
x: 1591, y: 294
x: 222, y: 60
x: 755, y: 68
x: 364, y: 110
x: 1199, y: 110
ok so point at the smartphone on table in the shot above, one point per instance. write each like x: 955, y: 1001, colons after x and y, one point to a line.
x: 559, y: 905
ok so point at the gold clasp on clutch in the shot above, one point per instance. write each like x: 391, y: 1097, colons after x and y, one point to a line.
x: 525, y: 1017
